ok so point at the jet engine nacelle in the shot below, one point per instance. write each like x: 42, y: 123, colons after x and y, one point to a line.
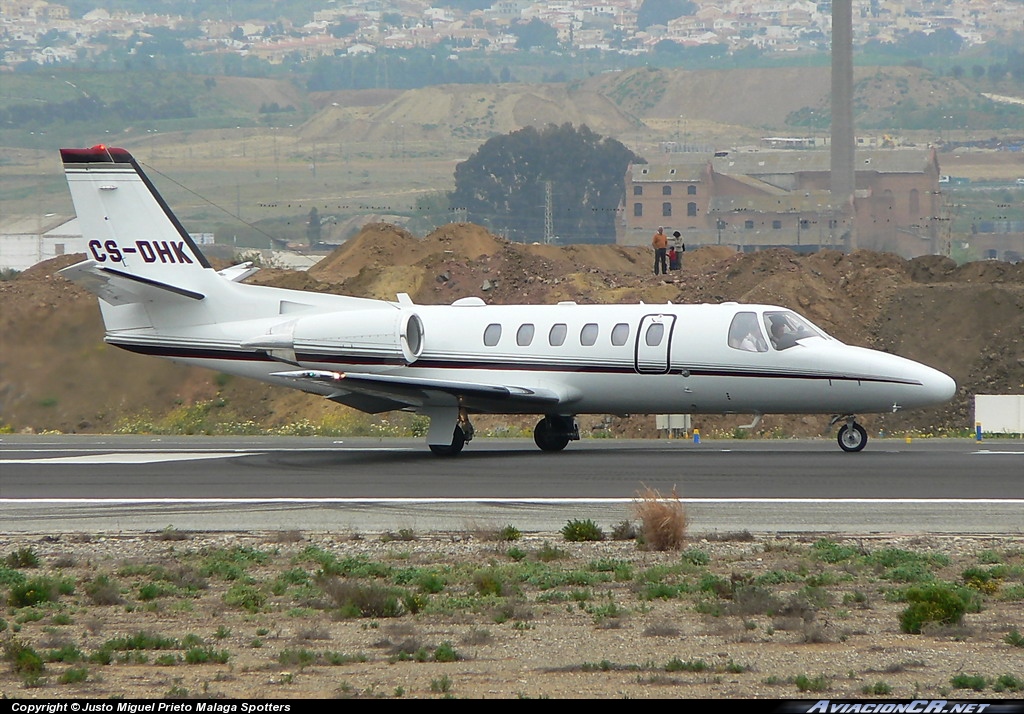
x: 384, y: 335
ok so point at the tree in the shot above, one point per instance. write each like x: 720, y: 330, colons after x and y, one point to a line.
x: 504, y: 184
x: 535, y: 33
x: 313, y: 227
x: 660, y: 12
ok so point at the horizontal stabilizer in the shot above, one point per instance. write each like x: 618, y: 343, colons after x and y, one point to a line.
x: 118, y: 287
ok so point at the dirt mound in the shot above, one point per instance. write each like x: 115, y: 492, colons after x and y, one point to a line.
x: 56, y: 372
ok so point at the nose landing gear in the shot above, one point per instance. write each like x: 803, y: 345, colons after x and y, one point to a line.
x: 852, y: 436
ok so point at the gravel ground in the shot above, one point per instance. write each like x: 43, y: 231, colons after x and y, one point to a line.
x: 751, y: 617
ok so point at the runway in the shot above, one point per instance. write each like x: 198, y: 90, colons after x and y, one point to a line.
x: 60, y: 484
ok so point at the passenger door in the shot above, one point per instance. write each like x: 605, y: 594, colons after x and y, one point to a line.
x: 653, y: 340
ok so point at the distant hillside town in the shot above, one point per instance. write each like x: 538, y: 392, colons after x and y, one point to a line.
x: 47, y: 33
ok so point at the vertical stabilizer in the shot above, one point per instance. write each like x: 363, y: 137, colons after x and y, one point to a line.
x: 128, y: 227
x: 142, y: 264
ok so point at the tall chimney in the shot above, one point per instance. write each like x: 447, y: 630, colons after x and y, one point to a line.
x: 843, y: 180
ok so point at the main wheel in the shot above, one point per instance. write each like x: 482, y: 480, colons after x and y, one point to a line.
x: 852, y: 437
x: 548, y: 438
x: 458, y: 441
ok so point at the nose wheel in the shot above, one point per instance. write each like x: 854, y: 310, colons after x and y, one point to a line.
x: 852, y: 436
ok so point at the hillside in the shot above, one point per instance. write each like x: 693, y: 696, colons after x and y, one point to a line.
x: 56, y: 373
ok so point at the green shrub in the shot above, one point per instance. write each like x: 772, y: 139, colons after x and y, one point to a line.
x: 206, y: 655
x: 74, y: 675
x: 969, y: 681
x: 576, y: 531
x: 355, y: 599
x: 39, y: 590
x: 446, y: 653
x: 245, y: 597
x: 816, y: 684
x: 489, y: 582
x: 694, y: 665
x: 509, y: 533
x: 22, y: 558
x: 24, y: 659
x: 938, y: 604
x: 1008, y: 683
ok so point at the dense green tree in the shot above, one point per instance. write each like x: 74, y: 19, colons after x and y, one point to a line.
x: 660, y: 12
x: 313, y: 227
x: 504, y: 184
x: 535, y: 33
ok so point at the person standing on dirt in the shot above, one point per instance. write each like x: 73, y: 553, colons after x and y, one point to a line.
x: 678, y: 248
x: 660, y: 244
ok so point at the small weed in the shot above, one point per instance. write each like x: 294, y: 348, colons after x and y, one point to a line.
x: 1014, y: 638
x: 441, y: 685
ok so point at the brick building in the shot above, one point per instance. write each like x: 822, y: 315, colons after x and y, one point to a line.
x: 762, y: 199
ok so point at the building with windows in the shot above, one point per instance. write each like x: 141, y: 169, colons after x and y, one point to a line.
x: 762, y: 199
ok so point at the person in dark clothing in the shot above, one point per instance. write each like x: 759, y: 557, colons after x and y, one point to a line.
x: 660, y: 244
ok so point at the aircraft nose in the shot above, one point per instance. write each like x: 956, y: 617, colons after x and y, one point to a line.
x: 938, y: 386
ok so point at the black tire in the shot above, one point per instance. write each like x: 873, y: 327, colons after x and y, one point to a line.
x: 852, y: 437
x: 452, y: 449
x: 547, y: 438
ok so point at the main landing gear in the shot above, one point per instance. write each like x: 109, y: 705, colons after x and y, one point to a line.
x: 554, y: 432
x: 852, y: 436
x: 463, y: 433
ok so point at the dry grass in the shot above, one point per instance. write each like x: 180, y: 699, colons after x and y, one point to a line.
x: 662, y: 518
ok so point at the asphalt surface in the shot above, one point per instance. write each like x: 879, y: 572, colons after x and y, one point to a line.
x: 113, y: 483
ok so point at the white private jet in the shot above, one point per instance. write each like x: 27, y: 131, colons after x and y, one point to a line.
x: 159, y: 296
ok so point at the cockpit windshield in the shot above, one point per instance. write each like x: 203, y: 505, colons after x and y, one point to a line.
x: 785, y: 328
x: 745, y: 333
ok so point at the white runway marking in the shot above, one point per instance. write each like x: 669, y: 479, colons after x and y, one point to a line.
x: 499, y: 499
x: 133, y: 457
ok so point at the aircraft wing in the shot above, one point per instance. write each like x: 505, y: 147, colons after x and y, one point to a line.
x: 402, y: 391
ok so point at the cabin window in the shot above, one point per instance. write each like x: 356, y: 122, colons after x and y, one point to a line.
x: 691, y: 190
x: 492, y: 334
x: 620, y: 334
x: 745, y: 334
x: 655, y: 333
x: 785, y: 328
x: 588, y: 335
x: 556, y: 337
x: 525, y: 335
